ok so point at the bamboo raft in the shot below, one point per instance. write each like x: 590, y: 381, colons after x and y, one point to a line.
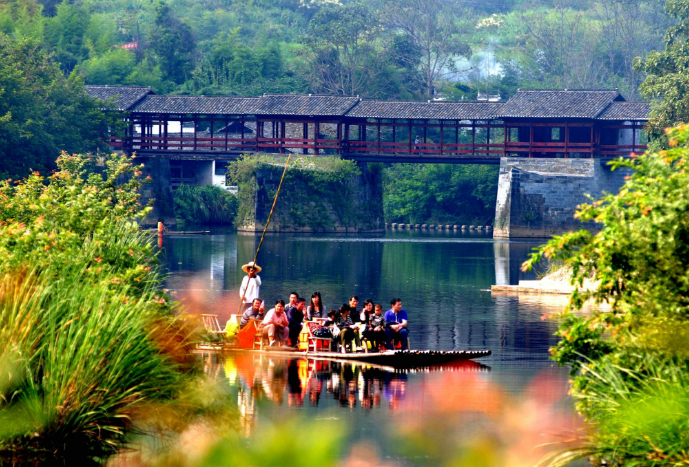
x: 398, y: 359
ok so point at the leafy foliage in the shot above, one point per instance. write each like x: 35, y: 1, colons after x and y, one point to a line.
x: 627, y: 362
x: 205, y: 205
x: 88, y: 335
x: 311, y: 184
x: 41, y: 111
x: 441, y: 194
x: 667, y: 74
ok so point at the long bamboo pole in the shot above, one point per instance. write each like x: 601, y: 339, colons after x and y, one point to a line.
x: 265, y: 229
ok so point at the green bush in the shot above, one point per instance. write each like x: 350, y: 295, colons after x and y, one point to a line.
x: 205, y: 205
x: 630, y: 363
x: 88, y: 334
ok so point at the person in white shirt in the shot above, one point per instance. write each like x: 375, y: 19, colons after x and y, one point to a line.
x: 251, y: 285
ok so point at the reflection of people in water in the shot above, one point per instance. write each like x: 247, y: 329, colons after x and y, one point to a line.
x: 302, y: 379
x: 396, y: 390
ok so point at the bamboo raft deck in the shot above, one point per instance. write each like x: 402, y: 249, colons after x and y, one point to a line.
x: 392, y: 358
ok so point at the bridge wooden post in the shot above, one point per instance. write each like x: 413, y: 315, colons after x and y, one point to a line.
x: 488, y: 138
x: 530, y: 139
x: 165, y: 120
x: 473, y: 138
x: 304, y: 136
x: 346, y: 136
x: 316, y: 135
x: 227, y: 131
x: 259, y: 131
x: 504, y: 139
x: 457, y: 134
x: 282, y: 136
x: 441, y: 137
x: 593, y: 142
x: 339, y: 138
x: 410, y: 128
x: 566, y: 140
x: 195, y: 136
x: 378, y: 144
x: 212, y: 145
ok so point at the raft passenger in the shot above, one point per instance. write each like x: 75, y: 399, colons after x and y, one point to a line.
x: 349, y: 332
x: 256, y: 312
x: 396, y: 325
x: 316, y: 309
x: 375, y: 331
x: 296, y: 319
x: 276, y: 325
x: 251, y: 285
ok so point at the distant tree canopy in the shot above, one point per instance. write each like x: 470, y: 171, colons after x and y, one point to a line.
x: 41, y: 111
x: 668, y: 74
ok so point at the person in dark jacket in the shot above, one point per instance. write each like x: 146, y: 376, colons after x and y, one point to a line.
x: 349, y: 332
x: 375, y: 331
x: 295, y: 316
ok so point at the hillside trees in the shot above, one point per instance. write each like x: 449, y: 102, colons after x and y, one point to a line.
x: 434, y: 38
x: 341, y: 50
x: 668, y: 74
x: 173, y: 44
x: 42, y: 111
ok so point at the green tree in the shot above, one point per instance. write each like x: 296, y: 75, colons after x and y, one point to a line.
x: 41, y: 111
x: 632, y: 359
x: 436, y: 35
x: 21, y: 19
x: 668, y: 74
x: 173, y: 44
x: 341, y: 50
x: 113, y: 67
x: 440, y: 193
x: 65, y: 33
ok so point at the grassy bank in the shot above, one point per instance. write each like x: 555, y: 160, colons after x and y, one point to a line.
x: 89, y: 336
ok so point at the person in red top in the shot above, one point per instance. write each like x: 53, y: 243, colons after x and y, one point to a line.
x: 276, y: 325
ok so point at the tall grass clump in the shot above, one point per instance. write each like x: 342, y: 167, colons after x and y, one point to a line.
x: 209, y: 205
x: 629, y: 365
x: 88, y: 335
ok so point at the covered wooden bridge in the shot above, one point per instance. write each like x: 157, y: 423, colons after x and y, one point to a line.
x: 532, y: 124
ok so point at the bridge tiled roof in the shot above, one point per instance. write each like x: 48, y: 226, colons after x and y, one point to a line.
x: 633, y: 111
x: 316, y: 105
x: 207, y: 105
x: 125, y: 96
x: 532, y: 103
x: 526, y: 104
x: 426, y: 110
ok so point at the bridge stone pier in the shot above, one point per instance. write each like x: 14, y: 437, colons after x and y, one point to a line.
x: 538, y: 197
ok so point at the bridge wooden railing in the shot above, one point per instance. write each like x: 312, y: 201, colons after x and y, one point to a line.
x: 365, y: 148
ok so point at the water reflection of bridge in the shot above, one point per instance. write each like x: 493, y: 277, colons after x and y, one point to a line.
x: 533, y: 123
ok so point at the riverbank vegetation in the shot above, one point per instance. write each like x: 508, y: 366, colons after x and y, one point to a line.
x: 89, y: 335
x: 440, y: 194
x: 629, y: 365
x: 208, y: 205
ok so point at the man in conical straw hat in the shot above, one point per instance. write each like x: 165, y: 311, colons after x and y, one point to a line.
x: 251, y: 284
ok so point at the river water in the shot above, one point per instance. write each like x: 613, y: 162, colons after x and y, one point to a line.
x: 513, y: 401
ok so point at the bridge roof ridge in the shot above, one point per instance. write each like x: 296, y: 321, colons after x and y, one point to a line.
x: 559, y: 103
x: 125, y: 97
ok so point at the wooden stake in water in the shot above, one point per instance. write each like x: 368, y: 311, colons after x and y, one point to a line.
x: 270, y: 215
